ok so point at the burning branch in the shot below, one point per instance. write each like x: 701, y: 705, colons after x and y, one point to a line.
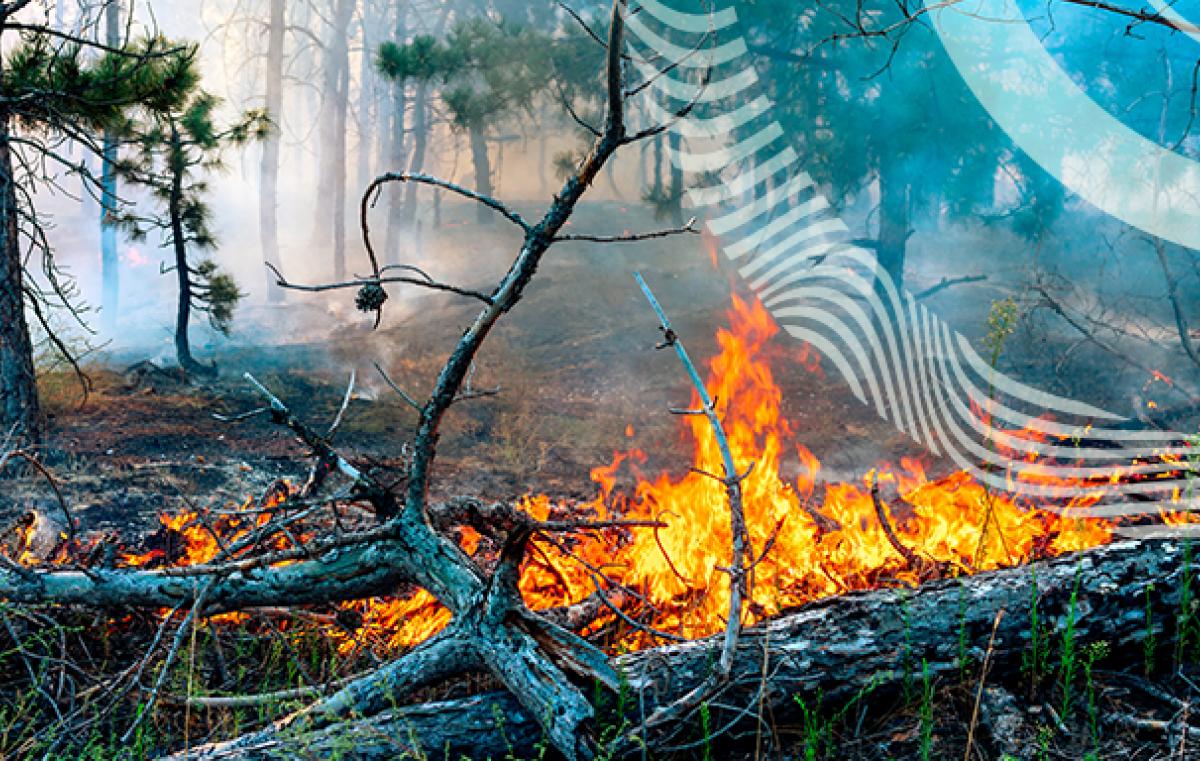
x: 885, y: 523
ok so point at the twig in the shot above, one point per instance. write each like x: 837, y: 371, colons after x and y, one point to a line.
x: 283, y: 282
x: 380, y: 498
x: 983, y: 673
x: 403, y: 394
x: 688, y: 229
x: 909, y: 556
x: 635, y: 624
x: 193, y: 614
x: 250, y: 701
x: 37, y: 465
x: 948, y: 283
x: 739, y: 592
x: 337, y: 421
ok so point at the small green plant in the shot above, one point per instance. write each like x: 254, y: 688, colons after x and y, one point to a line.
x: 706, y: 728
x: 615, y: 724
x: 906, y: 646
x: 1069, y: 660
x: 1034, y: 661
x: 1187, y: 625
x: 1094, y: 652
x: 1045, y: 735
x: 817, y: 729
x: 926, y: 711
x: 1001, y: 323
x: 963, y: 657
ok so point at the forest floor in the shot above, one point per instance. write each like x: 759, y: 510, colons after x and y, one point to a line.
x: 579, y: 379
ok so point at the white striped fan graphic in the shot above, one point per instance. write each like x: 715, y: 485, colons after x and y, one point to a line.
x: 898, y: 357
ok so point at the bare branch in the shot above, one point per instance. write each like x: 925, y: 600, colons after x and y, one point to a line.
x: 688, y: 229
x: 949, y: 283
x: 739, y: 592
x: 433, y: 285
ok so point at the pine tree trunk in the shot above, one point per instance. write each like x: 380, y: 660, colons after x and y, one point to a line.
x: 110, y: 264
x: 675, y: 144
x: 419, y: 148
x: 330, y: 217
x: 341, y: 113
x: 421, y: 129
x: 395, y: 207
x: 268, y: 200
x: 483, y: 171
x: 894, y: 220
x: 657, y: 188
x: 18, y: 382
x: 367, y: 88
x: 183, y: 312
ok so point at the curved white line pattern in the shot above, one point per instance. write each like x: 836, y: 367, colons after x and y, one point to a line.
x: 1089, y: 150
x: 894, y: 354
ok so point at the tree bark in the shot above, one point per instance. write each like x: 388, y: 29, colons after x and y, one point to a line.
x: 183, y: 312
x: 863, y: 644
x: 268, y: 200
x: 894, y: 219
x: 20, y: 406
x: 483, y: 170
x: 420, y: 146
x: 395, y: 201
x: 110, y: 262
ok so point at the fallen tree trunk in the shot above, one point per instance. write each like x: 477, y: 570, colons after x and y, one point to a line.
x: 869, y: 642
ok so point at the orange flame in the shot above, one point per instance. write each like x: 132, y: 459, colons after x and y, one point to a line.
x: 809, y: 542
x: 810, y: 539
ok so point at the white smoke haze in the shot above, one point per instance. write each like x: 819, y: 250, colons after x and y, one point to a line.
x: 1106, y: 265
x: 229, y: 33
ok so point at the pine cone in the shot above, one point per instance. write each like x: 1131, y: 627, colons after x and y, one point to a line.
x: 370, y: 298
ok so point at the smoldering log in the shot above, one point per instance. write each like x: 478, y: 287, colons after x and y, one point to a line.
x: 858, y: 644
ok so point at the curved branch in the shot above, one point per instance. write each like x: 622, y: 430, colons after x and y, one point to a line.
x: 432, y: 285
x: 368, y: 200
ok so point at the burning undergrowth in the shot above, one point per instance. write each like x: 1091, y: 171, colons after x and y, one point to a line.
x: 664, y: 562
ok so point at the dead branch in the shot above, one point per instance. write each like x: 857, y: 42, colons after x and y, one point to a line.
x: 947, y: 282
x: 739, y: 591
x: 688, y: 229
x: 360, y: 283
x: 914, y: 561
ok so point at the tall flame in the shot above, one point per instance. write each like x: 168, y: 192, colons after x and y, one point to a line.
x: 810, y: 539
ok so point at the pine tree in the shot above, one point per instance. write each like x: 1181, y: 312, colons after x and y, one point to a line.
x: 55, y: 87
x: 489, y: 71
x: 176, y: 148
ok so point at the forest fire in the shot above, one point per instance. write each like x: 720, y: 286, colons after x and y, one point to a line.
x: 810, y: 540
x: 187, y: 539
x: 929, y: 497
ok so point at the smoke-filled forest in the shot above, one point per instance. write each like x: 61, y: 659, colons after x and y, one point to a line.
x: 581, y: 379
